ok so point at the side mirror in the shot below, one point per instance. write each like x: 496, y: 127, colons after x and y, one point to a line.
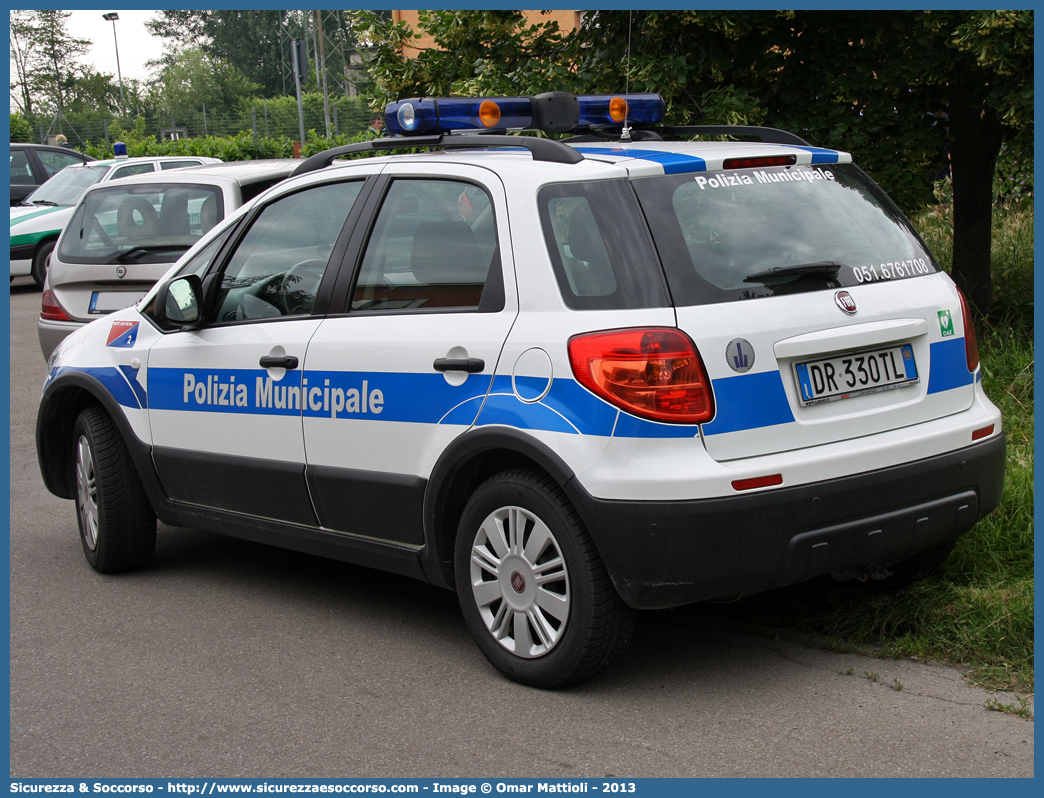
x: 179, y: 303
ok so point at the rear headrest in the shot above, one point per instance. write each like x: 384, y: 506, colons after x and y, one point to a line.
x: 585, y: 240
x: 136, y: 218
x: 208, y: 213
x: 174, y: 215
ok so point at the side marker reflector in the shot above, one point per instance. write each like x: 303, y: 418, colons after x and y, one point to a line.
x: 982, y: 433
x: 757, y: 482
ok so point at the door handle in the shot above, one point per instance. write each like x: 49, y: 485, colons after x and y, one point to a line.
x: 472, y: 365
x: 276, y: 362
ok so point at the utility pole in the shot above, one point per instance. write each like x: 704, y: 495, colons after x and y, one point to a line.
x: 112, y: 16
x: 299, y: 59
x: 322, y: 61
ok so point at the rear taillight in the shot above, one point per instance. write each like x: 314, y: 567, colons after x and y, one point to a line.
x: 971, y: 343
x: 654, y: 373
x: 50, y: 309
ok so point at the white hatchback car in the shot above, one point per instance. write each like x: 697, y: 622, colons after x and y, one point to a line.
x: 568, y: 380
x: 38, y: 220
x: 125, y: 235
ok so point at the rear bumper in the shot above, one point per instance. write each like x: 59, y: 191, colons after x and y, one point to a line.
x: 52, y: 333
x: 669, y: 553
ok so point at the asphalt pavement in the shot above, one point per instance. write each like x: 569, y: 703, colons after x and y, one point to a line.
x: 233, y: 659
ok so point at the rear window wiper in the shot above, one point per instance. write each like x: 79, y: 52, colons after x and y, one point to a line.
x: 826, y: 268
x: 133, y: 252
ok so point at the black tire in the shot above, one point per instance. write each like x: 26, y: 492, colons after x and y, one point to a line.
x: 567, y: 621
x: 40, y: 261
x: 117, y: 524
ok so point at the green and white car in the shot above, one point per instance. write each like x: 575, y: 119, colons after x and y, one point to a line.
x: 38, y: 221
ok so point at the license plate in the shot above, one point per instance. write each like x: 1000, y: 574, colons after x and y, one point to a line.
x: 103, y: 302
x: 844, y: 376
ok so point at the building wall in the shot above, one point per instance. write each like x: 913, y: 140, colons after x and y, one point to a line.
x: 567, y: 21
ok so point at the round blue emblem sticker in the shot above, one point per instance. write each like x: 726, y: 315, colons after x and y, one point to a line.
x: 739, y: 354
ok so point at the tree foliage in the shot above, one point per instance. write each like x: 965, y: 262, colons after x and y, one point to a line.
x: 193, y: 79
x: 905, y: 91
x: 20, y: 129
x: 45, y: 57
x: 257, y: 42
x: 475, y: 52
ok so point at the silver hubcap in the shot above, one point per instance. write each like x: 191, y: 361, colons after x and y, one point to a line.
x: 520, y: 582
x: 87, y: 492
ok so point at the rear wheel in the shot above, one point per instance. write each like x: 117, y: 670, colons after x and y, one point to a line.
x: 533, y: 591
x: 41, y: 260
x: 117, y: 524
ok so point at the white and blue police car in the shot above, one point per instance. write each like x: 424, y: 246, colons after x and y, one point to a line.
x: 568, y: 379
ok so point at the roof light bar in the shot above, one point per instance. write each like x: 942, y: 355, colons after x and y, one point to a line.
x: 426, y: 115
x: 616, y: 109
x: 554, y: 112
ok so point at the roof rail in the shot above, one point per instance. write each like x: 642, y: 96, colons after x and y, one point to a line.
x: 543, y: 149
x: 769, y: 135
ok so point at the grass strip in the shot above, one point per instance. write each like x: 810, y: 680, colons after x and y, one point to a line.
x: 977, y: 611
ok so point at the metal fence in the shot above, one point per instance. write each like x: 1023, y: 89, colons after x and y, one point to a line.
x: 274, y: 119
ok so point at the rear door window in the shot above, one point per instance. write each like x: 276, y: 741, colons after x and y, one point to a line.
x: 178, y: 164
x: 132, y: 169
x: 433, y: 247
x: 21, y: 170
x: 54, y: 162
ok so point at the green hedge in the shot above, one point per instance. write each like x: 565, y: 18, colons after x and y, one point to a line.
x: 240, y: 147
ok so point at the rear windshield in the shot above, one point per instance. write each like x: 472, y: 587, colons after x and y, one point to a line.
x: 66, y: 187
x: 743, y: 234
x: 141, y: 223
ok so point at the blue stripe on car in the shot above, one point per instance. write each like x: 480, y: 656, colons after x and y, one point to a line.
x: 949, y: 367
x: 122, y: 388
x: 567, y: 407
x: 672, y: 162
x: 820, y: 155
x: 388, y: 396
x: 749, y: 401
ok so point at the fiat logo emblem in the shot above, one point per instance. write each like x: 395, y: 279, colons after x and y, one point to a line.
x: 121, y: 271
x: 845, y: 301
x: 518, y: 582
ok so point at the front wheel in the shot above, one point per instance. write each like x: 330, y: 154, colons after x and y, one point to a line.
x: 117, y: 524
x: 533, y: 590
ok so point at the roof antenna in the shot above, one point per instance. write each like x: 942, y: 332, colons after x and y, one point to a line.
x: 625, y: 132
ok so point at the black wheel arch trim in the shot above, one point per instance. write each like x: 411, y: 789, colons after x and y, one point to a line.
x: 54, y: 425
x: 437, y: 553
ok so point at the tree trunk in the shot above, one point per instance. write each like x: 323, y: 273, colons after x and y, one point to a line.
x: 975, y: 141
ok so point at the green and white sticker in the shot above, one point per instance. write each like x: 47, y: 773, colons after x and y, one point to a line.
x: 945, y: 323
